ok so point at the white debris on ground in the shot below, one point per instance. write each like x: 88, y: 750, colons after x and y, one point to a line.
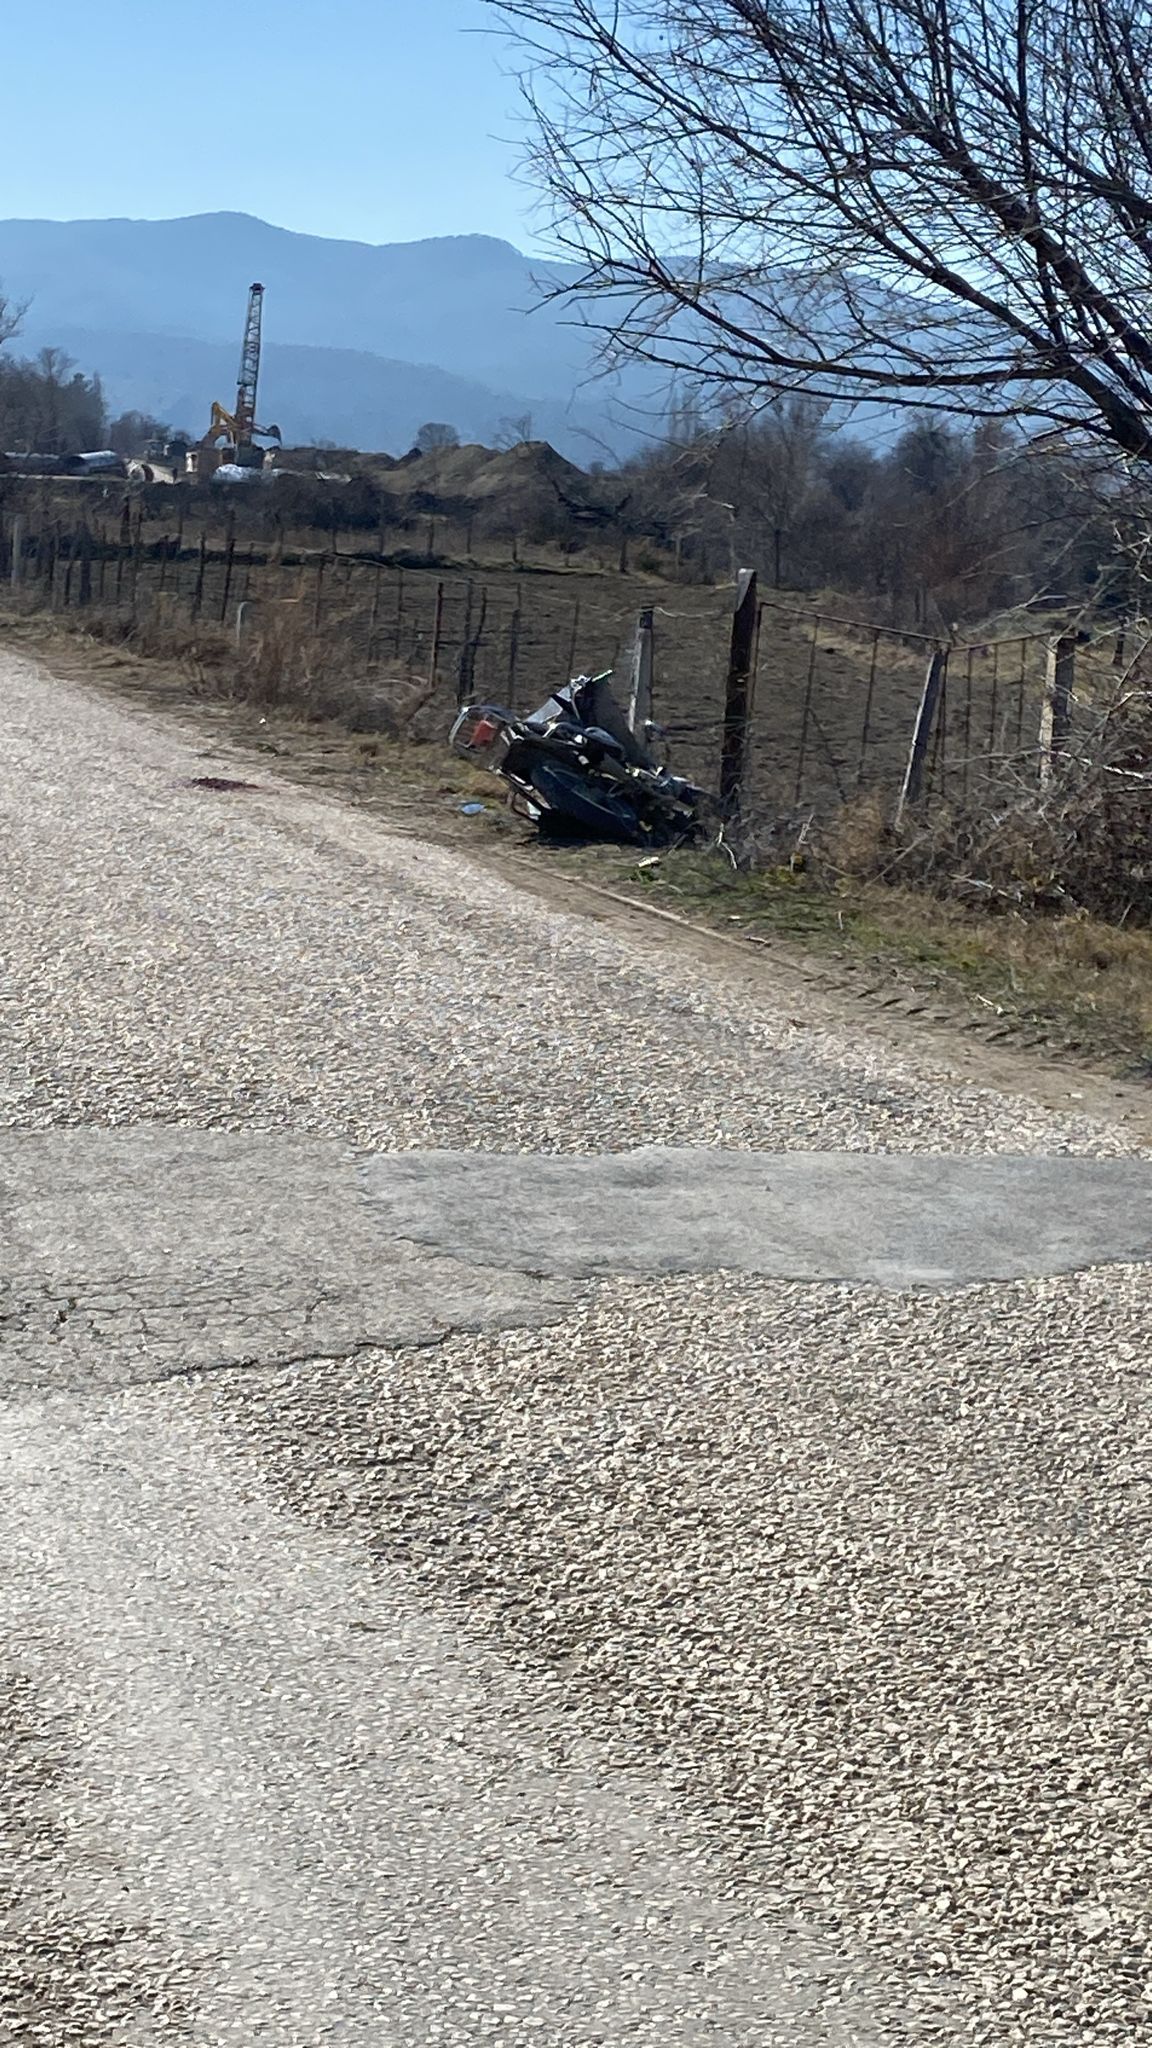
x: 841, y: 1594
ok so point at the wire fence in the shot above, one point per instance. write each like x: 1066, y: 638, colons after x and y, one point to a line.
x: 834, y: 701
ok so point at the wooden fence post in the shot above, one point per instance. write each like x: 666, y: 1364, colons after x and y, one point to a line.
x: 18, y: 525
x: 1056, y: 716
x: 465, y: 637
x: 229, y: 557
x: 137, y: 551
x: 912, y: 788
x: 471, y: 646
x: 437, y: 635
x: 738, y: 693
x: 573, y: 642
x: 806, y: 711
x: 374, y: 616
x: 399, y: 631
x: 643, y: 651
x: 201, y: 566
x: 866, y: 726
x: 513, y: 653
x: 85, y: 591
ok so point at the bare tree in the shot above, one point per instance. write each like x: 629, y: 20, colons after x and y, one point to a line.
x: 11, y: 318
x: 909, y: 201
x: 48, y: 405
x: 513, y: 430
x: 131, y: 433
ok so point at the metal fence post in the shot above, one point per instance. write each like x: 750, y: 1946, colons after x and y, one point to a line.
x: 437, y: 635
x: 640, y: 697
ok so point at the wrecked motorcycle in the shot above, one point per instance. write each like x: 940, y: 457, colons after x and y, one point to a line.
x: 577, y: 770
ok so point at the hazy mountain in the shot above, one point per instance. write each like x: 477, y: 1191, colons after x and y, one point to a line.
x: 345, y: 396
x: 362, y: 342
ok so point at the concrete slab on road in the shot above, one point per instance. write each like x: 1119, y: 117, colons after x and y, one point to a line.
x: 155, y: 1252
x: 150, y: 1252
x: 887, y: 1220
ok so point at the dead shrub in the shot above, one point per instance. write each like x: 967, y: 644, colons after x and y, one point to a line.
x: 859, y: 840
x: 1083, y: 843
x: 278, y: 665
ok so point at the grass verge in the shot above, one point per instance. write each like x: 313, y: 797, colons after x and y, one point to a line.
x: 1075, y: 982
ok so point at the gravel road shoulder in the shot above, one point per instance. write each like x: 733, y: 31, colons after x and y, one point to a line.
x: 729, y: 1660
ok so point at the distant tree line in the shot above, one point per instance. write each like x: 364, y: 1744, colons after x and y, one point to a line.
x: 48, y: 406
x: 942, y: 522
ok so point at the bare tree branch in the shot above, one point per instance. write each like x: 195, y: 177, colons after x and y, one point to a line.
x: 890, y: 200
x: 11, y: 318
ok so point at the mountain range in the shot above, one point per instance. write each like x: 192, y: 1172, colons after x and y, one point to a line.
x: 362, y: 342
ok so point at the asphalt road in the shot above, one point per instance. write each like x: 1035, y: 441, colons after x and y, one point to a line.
x: 460, y: 1587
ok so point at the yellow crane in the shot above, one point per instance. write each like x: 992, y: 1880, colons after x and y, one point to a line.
x: 238, y: 429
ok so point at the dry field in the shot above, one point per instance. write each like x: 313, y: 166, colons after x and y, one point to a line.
x: 393, y: 641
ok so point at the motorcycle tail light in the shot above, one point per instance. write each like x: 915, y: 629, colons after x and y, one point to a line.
x: 476, y: 731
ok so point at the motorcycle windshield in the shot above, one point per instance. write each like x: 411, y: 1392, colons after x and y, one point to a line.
x: 540, y: 721
x: 591, y: 703
x: 599, y: 707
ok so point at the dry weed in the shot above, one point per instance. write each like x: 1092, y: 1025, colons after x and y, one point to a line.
x: 277, y: 663
x: 1081, y: 844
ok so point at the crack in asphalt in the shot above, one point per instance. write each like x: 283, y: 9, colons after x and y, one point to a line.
x: 41, y: 1316
x: 256, y: 1363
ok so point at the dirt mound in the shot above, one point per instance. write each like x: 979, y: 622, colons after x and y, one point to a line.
x: 320, y: 461
x: 457, y: 481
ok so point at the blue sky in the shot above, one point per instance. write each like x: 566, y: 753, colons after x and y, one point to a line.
x: 383, y: 120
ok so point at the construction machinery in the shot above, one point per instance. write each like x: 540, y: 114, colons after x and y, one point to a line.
x: 232, y: 436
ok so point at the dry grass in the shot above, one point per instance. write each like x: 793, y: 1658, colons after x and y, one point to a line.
x: 280, y: 665
x: 1074, y: 981
x: 1074, y: 843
